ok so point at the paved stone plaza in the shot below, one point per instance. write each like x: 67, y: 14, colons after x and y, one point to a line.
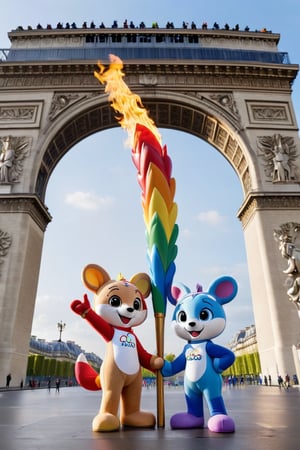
x: 265, y: 417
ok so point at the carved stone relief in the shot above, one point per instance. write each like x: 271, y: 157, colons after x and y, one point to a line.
x: 288, y: 238
x: 20, y: 114
x: 148, y: 79
x: 221, y: 103
x: 61, y: 102
x: 279, y: 154
x: 5, y: 243
x: 13, y: 151
x: 269, y: 113
x: 227, y: 102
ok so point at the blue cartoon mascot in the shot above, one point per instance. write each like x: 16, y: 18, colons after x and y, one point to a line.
x: 198, y: 317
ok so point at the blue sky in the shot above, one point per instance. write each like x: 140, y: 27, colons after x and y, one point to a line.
x: 93, y: 193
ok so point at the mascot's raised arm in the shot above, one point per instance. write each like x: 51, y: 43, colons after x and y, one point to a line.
x: 119, y: 306
x: 198, y: 317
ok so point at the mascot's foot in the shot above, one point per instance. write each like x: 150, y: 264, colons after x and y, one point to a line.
x: 186, y: 420
x: 106, y: 422
x: 139, y: 419
x: 220, y: 423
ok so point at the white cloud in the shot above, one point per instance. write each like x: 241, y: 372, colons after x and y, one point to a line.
x: 211, y: 217
x: 87, y: 200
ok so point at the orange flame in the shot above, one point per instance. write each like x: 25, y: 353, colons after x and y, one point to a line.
x: 123, y: 101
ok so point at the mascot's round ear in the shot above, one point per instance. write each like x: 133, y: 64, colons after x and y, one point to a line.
x: 179, y: 291
x: 224, y: 289
x: 142, y: 282
x: 94, y: 277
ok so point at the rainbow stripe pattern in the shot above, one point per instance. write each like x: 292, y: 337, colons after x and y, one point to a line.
x: 154, y: 168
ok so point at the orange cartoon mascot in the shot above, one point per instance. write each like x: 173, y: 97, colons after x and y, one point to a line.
x: 118, y: 307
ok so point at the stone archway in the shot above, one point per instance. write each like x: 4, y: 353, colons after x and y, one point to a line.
x: 173, y: 113
x: 245, y: 112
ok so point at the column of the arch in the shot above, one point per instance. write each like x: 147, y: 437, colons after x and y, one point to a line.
x: 24, y: 220
x: 276, y: 318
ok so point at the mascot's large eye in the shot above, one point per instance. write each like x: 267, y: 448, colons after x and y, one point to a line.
x: 137, y: 304
x: 114, y: 301
x: 205, y: 314
x: 182, y: 316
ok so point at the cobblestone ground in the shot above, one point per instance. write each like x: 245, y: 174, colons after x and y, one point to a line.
x: 266, y: 418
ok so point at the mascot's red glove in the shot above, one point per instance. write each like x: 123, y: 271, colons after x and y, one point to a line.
x: 81, y: 308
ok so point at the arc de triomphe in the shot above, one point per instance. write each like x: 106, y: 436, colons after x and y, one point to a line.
x: 229, y: 88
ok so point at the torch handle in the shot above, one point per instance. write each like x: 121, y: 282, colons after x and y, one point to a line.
x: 160, y: 326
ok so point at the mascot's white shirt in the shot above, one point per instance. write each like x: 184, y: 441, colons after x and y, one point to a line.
x: 196, y: 361
x: 125, y: 351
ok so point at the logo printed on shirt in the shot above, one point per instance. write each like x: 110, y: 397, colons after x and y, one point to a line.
x: 193, y: 355
x: 127, y: 341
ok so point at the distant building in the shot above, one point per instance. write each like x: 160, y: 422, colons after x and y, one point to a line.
x: 62, y: 351
x: 244, y: 342
x: 247, y: 366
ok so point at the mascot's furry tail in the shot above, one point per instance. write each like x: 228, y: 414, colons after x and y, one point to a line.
x: 85, y: 375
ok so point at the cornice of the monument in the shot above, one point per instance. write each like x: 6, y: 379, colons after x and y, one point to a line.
x: 267, y: 201
x: 204, y: 74
x: 26, y: 204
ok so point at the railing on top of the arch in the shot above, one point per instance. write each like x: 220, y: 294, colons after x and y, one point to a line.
x: 3, y: 54
x: 143, y: 43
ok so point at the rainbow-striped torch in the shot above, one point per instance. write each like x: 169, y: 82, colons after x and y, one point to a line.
x: 154, y: 168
